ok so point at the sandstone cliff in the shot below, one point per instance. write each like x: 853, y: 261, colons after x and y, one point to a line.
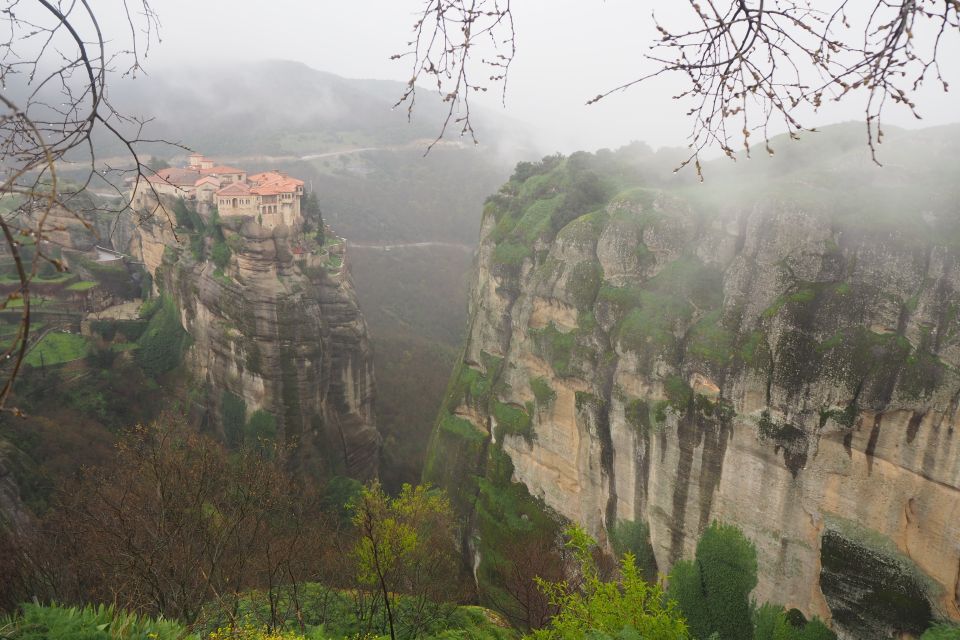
x: 278, y: 331
x: 781, y: 355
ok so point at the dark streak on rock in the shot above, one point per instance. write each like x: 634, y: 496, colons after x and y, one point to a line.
x: 687, y: 437
x: 848, y: 443
x: 872, y: 442
x: 956, y: 588
x: 716, y: 435
x: 914, y: 425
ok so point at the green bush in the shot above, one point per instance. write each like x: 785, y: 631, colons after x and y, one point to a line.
x: 505, y: 513
x: 627, y: 608
x: 221, y: 254
x: 713, y: 589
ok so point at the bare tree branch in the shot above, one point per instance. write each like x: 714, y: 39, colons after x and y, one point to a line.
x: 751, y: 66
x: 55, y: 58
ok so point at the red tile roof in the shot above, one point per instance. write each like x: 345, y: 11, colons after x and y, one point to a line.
x: 265, y: 176
x: 265, y: 183
x: 276, y: 187
x: 234, y: 189
x: 221, y: 168
x: 176, y: 176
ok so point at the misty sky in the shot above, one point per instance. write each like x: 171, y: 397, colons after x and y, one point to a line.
x: 568, y: 51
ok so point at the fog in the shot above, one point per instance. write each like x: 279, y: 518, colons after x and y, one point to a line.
x: 567, y: 52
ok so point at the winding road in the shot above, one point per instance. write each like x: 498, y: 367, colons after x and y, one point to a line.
x: 406, y: 245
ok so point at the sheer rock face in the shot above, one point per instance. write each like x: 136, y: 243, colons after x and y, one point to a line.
x: 762, y: 367
x: 279, y: 331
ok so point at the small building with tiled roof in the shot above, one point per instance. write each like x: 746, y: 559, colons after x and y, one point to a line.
x: 235, y: 199
x: 205, y: 188
x: 229, y: 174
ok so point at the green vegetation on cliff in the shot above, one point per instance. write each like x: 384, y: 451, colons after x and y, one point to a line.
x: 164, y: 340
x: 669, y: 310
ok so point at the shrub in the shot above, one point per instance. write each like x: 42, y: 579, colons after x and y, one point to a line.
x: 627, y: 608
x: 221, y: 254
x: 713, y: 590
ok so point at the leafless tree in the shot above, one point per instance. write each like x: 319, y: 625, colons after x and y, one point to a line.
x: 529, y: 557
x: 55, y: 67
x: 750, y: 66
x: 175, y: 526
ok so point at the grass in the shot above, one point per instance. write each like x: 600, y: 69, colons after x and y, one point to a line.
x: 57, y: 348
x: 38, y: 622
x: 511, y: 253
x: 461, y: 428
x: 637, y: 196
x: 82, y: 285
x: 35, y: 301
x: 586, y: 228
x: 536, y: 220
x: 327, y: 614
